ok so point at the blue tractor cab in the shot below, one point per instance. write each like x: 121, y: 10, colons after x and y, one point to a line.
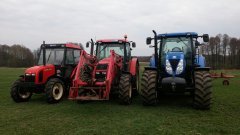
x: 176, y: 67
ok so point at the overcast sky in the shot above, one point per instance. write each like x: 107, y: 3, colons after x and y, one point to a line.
x: 29, y: 22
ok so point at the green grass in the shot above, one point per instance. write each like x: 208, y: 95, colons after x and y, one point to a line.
x: 173, y: 115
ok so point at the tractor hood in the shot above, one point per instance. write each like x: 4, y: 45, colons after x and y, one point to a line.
x: 36, y: 69
x: 175, y: 63
x: 104, y: 61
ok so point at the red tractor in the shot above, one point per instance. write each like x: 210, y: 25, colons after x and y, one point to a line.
x: 111, y: 70
x: 52, y: 75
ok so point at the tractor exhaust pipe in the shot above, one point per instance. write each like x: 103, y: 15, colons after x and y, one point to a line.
x: 92, y: 46
x: 155, y: 48
x: 44, y: 52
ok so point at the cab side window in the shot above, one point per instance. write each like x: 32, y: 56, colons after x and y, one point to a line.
x: 70, y: 57
x: 128, y: 49
x: 76, y: 56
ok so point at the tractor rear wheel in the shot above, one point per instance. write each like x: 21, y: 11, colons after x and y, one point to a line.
x: 203, y: 93
x: 55, y: 90
x: 20, y: 94
x: 148, y: 87
x: 125, y: 89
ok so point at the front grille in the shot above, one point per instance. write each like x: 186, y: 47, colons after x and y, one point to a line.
x: 100, y: 77
x: 174, y: 63
x: 102, y: 66
x: 29, y: 78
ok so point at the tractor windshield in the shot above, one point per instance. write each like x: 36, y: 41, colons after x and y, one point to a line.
x: 103, y: 49
x: 52, y: 56
x: 177, y: 44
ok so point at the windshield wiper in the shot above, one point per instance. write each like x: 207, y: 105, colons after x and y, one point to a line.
x: 102, y: 49
x: 49, y: 56
x: 182, y: 41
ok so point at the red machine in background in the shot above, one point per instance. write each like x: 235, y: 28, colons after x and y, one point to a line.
x: 110, y: 70
x: 225, y: 77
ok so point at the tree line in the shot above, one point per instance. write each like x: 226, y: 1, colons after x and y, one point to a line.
x: 15, y: 56
x: 222, y: 52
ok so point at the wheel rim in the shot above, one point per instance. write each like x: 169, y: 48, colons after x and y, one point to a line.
x: 57, y: 91
x: 23, y: 93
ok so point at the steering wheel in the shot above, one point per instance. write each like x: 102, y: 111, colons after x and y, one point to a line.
x: 176, y: 49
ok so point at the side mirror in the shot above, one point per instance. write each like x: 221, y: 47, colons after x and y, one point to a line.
x: 148, y: 41
x: 133, y: 44
x: 87, y: 44
x: 205, y: 37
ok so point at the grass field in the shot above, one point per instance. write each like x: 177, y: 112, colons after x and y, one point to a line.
x: 173, y: 115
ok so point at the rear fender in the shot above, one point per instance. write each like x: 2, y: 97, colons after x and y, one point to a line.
x: 134, y: 64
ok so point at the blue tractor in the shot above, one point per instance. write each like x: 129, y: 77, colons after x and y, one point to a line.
x: 176, y: 66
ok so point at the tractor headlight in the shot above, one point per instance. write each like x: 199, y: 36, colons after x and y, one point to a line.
x: 168, y: 67
x: 180, y: 67
x: 27, y: 74
x: 104, y: 73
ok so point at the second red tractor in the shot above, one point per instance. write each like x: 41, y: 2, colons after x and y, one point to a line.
x: 110, y: 70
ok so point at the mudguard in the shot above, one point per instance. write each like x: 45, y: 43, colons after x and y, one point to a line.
x: 152, y: 62
x: 132, y: 67
x: 200, y: 60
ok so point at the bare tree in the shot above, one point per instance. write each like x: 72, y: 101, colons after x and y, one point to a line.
x: 225, y: 43
x: 233, y: 47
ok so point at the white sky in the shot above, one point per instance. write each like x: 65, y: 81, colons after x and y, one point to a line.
x: 29, y: 22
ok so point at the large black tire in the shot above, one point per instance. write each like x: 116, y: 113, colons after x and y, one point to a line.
x: 148, y: 87
x: 55, y: 90
x: 125, y: 89
x: 19, y: 94
x: 136, y: 80
x: 203, y: 92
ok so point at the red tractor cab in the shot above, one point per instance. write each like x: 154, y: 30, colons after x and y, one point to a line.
x: 111, y: 69
x: 52, y: 74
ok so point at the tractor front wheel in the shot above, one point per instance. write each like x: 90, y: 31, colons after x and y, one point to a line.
x: 148, y: 87
x: 125, y: 89
x: 19, y: 94
x: 203, y: 93
x: 55, y: 89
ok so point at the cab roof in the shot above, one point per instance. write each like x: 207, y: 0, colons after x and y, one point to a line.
x: 180, y: 34
x: 60, y: 45
x: 111, y: 40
